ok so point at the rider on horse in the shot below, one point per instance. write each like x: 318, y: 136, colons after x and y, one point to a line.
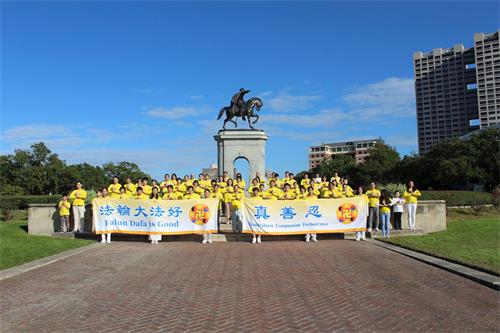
x: 238, y: 102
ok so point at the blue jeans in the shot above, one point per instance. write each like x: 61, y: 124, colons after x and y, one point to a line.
x: 384, y: 220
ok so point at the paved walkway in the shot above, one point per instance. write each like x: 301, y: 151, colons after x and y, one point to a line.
x: 240, y: 287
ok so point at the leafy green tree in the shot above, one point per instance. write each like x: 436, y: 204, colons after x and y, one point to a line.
x: 380, y: 164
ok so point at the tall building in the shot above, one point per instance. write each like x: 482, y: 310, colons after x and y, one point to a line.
x: 358, y: 149
x: 456, y: 90
x: 487, y: 54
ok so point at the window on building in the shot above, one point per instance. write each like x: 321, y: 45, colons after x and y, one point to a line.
x: 470, y: 66
x: 472, y: 86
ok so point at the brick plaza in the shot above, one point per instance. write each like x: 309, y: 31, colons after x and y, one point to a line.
x: 278, y: 286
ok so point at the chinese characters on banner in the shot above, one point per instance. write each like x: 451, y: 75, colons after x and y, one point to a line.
x: 287, y: 217
x: 169, y: 217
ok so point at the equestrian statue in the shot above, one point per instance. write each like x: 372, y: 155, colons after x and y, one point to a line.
x: 241, y: 108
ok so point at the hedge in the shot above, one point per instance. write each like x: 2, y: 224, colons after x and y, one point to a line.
x: 459, y: 198
x: 22, y: 201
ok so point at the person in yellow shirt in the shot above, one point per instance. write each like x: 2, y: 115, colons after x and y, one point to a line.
x: 236, y: 197
x: 373, y: 198
x: 114, y: 189
x: 360, y: 235
x: 130, y: 188
x: 345, y: 182
x: 197, y: 188
x: 311, y: 196
x: 77, y: 198
x: 255, y: 185
x: 411, y: 196
x: 140, y: 195
x: 305, y: 181
x: 335, y: 177
x: 146, y: 189
x: 315, y: 186
x: 191, y: 194
x: 324, y: 183
x: 155, y: 193
x: 171, y: 194
x: 154, y: 184
x: 346, y: 191
x: 273, y: 191
x: 123, y: 193
x: 331, y: 192
x: 64, y: 206
x: 385, y: 213
x: 228, y: 196
x: 225, y: 176
x: 264, y: 194
x: 240, y: 182
x: 166, y: 181
x: 287, y: 193
x: 180, y: 187
x: 303, y: 193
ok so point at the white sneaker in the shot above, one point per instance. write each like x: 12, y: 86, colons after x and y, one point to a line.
x: 108, y: 241
x: 258, y: 240
x: 103, y: 241
x: 210, y: 241
x: 204, y: 241
x: 308, y: 237
x: 363, y: 237
x: 254, y: 240
x: 369, y: 229
x: 314, y: 239
x: 357, y: 238
x: 376, y: 229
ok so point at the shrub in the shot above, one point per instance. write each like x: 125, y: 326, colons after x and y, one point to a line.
x: 393, y: 187
x: 22, y: 201
x: 459, y: 198
x: 8, y: 189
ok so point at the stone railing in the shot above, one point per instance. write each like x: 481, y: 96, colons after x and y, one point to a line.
x: 43, y: 219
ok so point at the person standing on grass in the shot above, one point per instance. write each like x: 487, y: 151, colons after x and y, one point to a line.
x: 77, y: 198
x: 411, y: 196
x: 385, y: 212
x: 373, y: 197
x: 64, y: 207
x: 360, y: 235
x: 397, y: 209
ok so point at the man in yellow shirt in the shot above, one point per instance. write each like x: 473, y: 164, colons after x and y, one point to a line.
x: 114, y: 189
x: 331, y: 192
x: 77, y: 198
x: 287, y: 193
x: 273, y: 191
x: 236, y: 197
x: 64, y: 207
x: 373, y: 201
x: 191, y: 194
x: 140, y: 194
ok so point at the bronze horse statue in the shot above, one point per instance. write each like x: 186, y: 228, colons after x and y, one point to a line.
x: 247, y: 111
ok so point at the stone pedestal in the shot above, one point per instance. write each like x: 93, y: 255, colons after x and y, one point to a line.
x: 244, y: 143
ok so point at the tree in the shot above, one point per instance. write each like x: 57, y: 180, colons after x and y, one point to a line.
x: 122, y: 170
x: 380, y: 164
x: 343, y: 164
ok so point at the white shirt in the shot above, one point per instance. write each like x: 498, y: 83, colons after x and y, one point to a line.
x: 397, y: 204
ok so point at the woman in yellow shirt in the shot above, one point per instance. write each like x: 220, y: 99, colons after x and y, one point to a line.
x: 180, y: 187
x: 385, y: 212
x: 360, y: 235
x: 306, y: 181
x: 170, y: 194
x: 146, y: 189
x: 263, y: 193
x: 255, y: 185
x: 228, y: 196
x: 140, y: 195
x: 197, y: 188
x: 331, y: 192
x: 411, y: 196
x: 123, y: 193
x: 236, y: 197
x: 346, y: 191
x: 273, y: 191
x: 155, y: 193
x: 240, y: 182
x: 303, y: 193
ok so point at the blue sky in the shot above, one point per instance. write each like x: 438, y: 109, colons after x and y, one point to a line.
x: 143, y: 81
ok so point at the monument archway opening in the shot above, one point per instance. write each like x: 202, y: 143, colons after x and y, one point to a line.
x: 242, y: 165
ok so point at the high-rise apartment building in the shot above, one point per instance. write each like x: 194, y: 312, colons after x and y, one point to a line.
x: 358, y: 149
x: 487, y: 55
x: 457, y: 90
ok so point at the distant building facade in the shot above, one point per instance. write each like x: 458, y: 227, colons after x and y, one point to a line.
x: 358, y: 149
x: 457, y: 90
x: 487, y: 55
x: 212, y: 171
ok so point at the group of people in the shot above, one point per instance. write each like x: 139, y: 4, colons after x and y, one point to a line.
x: 230, y: 191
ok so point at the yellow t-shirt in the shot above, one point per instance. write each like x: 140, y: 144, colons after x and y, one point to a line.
x: 330, y: 194
x: 194, y: 195
x: 274, y: 193
x: 241, y: 184
x: 305, y: 182
x: 146, y: 189
x: 123, y: 196
x: 411, y: 197
x: 114, y: 190
x: 290, y: 195
x: 64, y: 207
x: 130, y: 189
x: 142, y: 196
x: 236, y: 200
x: 172, y: 196
x: 78, y: 197
x: 373, y: 201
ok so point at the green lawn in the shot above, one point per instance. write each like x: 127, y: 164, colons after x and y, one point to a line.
x: 17, y: 247
x: 471, y: 240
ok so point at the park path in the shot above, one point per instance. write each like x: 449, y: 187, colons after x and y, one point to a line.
x: 278, y: 286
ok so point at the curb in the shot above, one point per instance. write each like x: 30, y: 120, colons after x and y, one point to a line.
x: 29, y: 266
x: 488, y: 280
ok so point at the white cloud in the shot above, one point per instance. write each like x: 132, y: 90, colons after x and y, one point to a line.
x: 394, y: 97
x: 285, y: 101
x: 54, y: 135
x: 175, y: 112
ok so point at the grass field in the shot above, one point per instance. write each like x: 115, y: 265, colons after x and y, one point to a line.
x: 17, y: 247
x: 469, y: 239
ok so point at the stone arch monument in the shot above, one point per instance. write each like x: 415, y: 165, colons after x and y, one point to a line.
x: 241, y: 143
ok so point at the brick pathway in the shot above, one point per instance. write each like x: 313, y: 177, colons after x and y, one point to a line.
x: 334, y: 285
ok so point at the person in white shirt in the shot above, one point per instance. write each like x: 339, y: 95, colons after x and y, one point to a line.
x: 397, y: 209
x: 317, y: 179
